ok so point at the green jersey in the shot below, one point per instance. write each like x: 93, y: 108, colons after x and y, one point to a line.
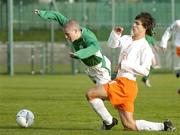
x: 86, y: 48
x: 150, y: 40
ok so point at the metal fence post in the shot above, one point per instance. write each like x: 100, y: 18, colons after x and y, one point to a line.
x: 10, y: 38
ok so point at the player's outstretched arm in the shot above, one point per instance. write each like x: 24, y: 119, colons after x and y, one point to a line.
x: 36, y: 11
x: 163, y: 49
x: 52, y: 15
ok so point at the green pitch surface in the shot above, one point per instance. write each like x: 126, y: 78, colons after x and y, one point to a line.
x: 60, y: 106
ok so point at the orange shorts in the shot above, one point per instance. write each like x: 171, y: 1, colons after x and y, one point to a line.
x: 178, y: 51
x: 122, y: 93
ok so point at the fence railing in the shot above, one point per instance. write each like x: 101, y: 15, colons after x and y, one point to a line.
x: 35, y: 58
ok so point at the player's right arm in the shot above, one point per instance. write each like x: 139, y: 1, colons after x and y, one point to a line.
x: 52, y: 15
x: 115, y: 35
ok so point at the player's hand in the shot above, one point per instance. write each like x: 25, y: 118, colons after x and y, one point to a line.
x: 36, y: 11
x: 115, y: 69
x: 163, y: 49
x: 119, y: 65
x: 118, y: 30
x: 72, y: 55
x: 156, y: 48
x: 124, y: 55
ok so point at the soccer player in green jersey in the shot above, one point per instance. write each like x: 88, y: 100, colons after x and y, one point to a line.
x: 85, y: 44
x: 87, y: 49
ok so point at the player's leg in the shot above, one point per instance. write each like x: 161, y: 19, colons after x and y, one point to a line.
x: 95, y: 96
x: 127, y: 120
x: 126, y: 110
x: 155, y: 126
x: 96, y: 92
x: 178, y: 73
x: 142, y: 125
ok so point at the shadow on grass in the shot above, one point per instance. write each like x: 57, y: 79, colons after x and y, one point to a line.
x: 45, y: 128
x: 52, y: 128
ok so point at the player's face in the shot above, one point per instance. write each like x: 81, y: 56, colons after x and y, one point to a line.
x: 71, y: 35
x: 138, y: 28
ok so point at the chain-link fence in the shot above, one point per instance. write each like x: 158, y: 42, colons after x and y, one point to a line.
x: 99, y: 16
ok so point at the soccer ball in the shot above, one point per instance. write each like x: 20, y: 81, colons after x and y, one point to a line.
x: 24, y: 118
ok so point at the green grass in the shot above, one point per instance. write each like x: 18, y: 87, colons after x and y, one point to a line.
x: 27, y: 69
x: 60, y: 107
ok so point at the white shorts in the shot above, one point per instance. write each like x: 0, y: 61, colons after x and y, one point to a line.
x: 101, y: 73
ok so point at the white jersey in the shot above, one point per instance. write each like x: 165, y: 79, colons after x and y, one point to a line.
x: 135, y: 55
x: 173, y: 29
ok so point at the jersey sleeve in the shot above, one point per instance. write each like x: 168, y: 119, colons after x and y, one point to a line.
x: 92, y: 48
x: 167, y: 35
x: 113, y: 40
x: 53, y: 15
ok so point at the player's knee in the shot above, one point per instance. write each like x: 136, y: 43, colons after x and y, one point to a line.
x: 89, y: 94
x: 130, y: 126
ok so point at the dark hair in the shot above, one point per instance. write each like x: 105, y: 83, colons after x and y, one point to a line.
x: 147, y: 21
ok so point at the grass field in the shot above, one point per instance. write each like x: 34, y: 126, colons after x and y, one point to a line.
x: 60, y: 107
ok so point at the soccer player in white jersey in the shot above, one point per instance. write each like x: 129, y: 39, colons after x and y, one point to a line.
x: 173, y: 29
x: 135, y: 59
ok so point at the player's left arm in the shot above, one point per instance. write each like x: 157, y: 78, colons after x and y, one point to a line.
x: 87, y: 52
x: 52, y: 15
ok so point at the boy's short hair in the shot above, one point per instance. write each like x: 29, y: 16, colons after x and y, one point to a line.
x: 147, y: 21
x: 72, y: 24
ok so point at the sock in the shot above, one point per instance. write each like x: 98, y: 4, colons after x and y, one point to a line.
x: 149, y: 126
x: 101, y: 110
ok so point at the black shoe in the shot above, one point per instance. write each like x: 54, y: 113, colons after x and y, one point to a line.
x: 108, y: 127
x: 143, y: 80
x: 168, y: 126
x: 178, y: 74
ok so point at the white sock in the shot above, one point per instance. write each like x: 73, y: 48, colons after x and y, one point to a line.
x: 149, y: 126
x: 101, y: 110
